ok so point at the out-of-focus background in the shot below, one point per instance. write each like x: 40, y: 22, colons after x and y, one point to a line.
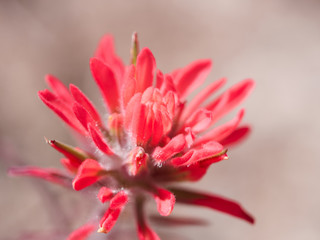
x: 274, y: 174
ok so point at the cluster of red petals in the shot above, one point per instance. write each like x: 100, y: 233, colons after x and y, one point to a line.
x: 151, y: 138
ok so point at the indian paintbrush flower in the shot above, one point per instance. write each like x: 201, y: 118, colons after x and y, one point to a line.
x: 152, y: 138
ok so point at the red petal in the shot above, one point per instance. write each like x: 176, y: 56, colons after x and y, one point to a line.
x: 237, y: 136
x: 98, y: 140
x: 144, y: 230
x: 75, y: 155
x: 235, y: 95
x: 62, y: 109
x: 167, y: 85
x: 199, y: 120
x: 129, y: 85
x: 82, y: 115
x: 107, y: 83
x: 82, y: 233
x: 165, y: 201
x: 135, y: 116
x: 146, y: 233
x: 109, y: 219
x: 106, y: 53
x: 137, y: 160
x: 212, y: 201
x: 88, y: 173
x: 105, y: 194
x: 85, y: 103
x: 59, y: 89
x: 211, y: 150
x: 221, y: 132
x: 119, y: 200
x: 175, y: 146
x: 145, y: 69
x: 70, y: 165
x: 158, y: 130
x: 191, y: 76
x: 201, y: 97
x: 48, y: 174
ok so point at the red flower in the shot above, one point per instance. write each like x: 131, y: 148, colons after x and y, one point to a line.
x: 151, y: 139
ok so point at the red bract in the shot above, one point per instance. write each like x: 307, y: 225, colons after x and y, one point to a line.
x: 151, y: 139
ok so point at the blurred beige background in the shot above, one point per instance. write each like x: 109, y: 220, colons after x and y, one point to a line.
x: 274, y: 174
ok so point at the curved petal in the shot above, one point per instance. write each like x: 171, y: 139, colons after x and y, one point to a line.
x: 212, y: 201
x: 175, y: 146
x: 83, y: 232
x: 62, y: 109
x: 81, y: 98
x: 236, y: 136
x: 221, y: 132
x: 59, y: 88
x: 48, y: 174
x: 145, y: 70
x: 98, y: 140
x: 108, y: 84
x: 201, y: 97
x: 106, y: 53
x: 235, y: 95
x: 192, y: 76
x: 89, y: 172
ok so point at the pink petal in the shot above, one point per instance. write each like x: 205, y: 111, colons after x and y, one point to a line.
x: 89, y: 172
x: 105, y: 194
x: 190, y: 136
x: 59, y: 89
x: 235, y: 95
x: 85, y: 103
x: 237, y: 136
x: 165, y: 201
x: 48, y: 174
x: 98, y: 140
x: 202, y: 96
x: 175, y: 146
x: 212, y: 201
x: 82, y: 233
x: 170, y: 102
x: 145, y: 69
x: 191, y: 77
x: 106, y: 53
x: 221, y: 132
x: 107, y: 83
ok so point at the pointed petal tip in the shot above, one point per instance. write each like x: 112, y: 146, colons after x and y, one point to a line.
x: 102, y: 230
